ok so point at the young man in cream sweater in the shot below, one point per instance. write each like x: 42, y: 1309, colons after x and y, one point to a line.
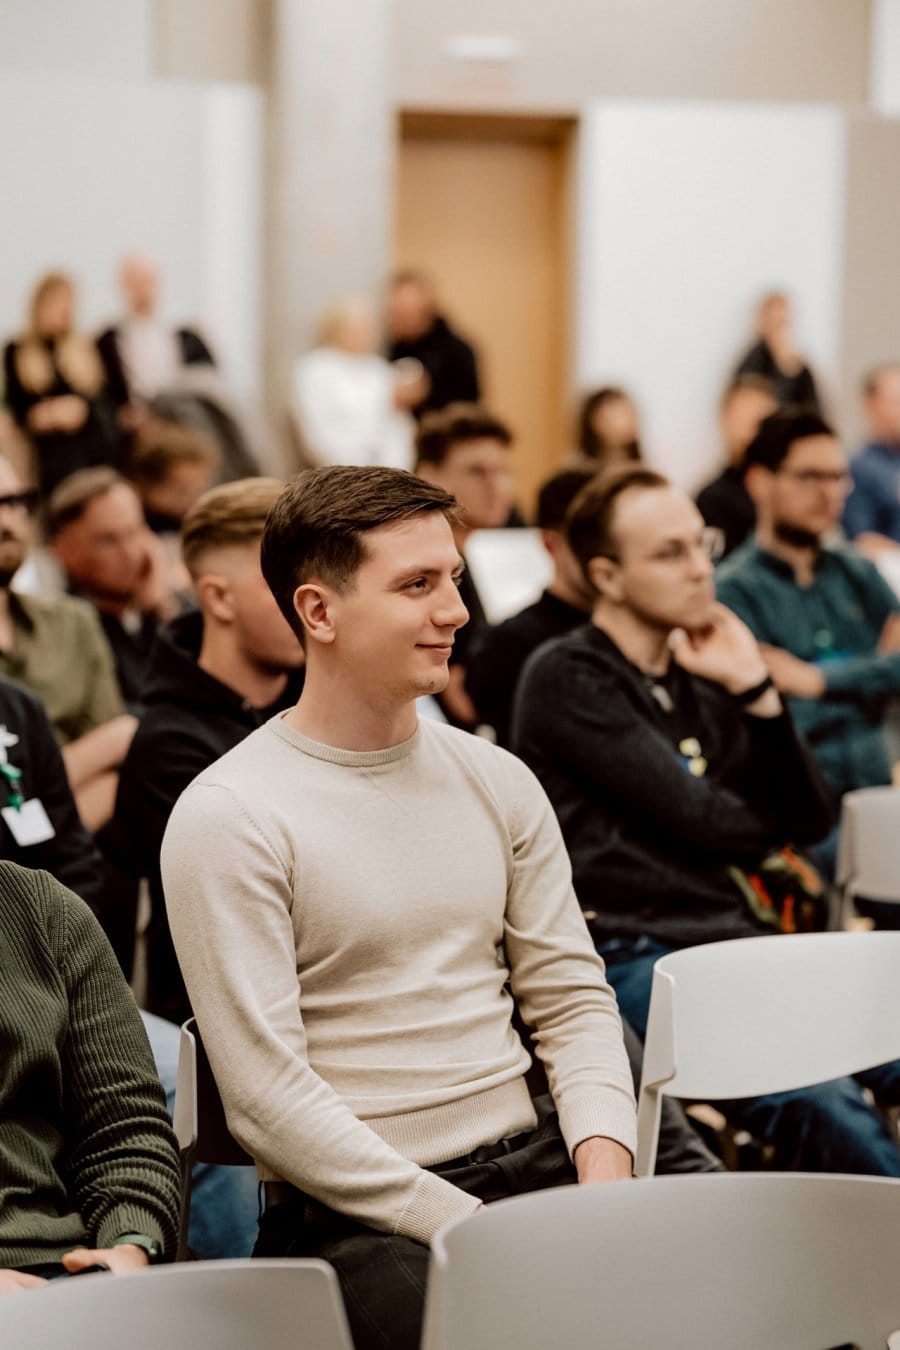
x: 353, y: 894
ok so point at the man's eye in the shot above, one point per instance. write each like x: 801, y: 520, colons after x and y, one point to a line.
x: 419, y: 584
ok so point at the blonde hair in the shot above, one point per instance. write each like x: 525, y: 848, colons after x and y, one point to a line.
x: 234, y: 513
x: 76, y: 355
x: 161, y: 445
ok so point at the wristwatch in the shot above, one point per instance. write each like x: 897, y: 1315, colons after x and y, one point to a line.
x: 148, y: 1244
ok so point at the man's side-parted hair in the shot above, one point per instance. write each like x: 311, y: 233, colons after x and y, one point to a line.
x: 591, y: 518
x: 772, y: 443
x: 71, y: 498
x: 316, y: 528
x: 234, y: 513
x: 454, y: 425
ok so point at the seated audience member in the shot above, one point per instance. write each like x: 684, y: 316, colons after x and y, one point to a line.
x: 725, y: 503
x: 55, y: 646
x: 872, y: 511
x: 55, y: 387
x: 466, y: 451
x: 608, y: 428
x: 171, y: 467
x: 775, y: 355
x: 347, y: 400
x: 155, y: 369
x: 362, y: 1041
x: 214, y: 676
x: 827, y: 619
x: 42, y: 831
x: 674, y: 775
x: 88, y: 1163
x: 97, y: 530
x: 497, y: 655
x: 417, y: 332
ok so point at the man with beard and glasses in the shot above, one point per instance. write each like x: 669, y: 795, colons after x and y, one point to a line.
x: 55, y: 646
x: 827, y: 620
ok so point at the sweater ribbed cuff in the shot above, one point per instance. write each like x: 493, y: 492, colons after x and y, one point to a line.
x: 132, y: 1219
x: 610, y: 1115
x: 435, y: 1202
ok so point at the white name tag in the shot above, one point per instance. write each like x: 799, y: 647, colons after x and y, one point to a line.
x: 30, y: 824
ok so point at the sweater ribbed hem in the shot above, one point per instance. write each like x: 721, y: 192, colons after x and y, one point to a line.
x: 440, y: 1132
x: 434, y: 1204
x: 609, y: 1114
x: 131, y: 1219
x: 332, y: 754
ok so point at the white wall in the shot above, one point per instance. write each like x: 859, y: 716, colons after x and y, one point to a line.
x: 92, y: 168
x: 687, y: 213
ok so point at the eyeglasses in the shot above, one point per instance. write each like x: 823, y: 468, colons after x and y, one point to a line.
x: 20, y: 501
x: 710, y: 543
x: 839, y: 478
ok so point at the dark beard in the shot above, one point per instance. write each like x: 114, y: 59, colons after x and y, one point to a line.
x: 794, y: 537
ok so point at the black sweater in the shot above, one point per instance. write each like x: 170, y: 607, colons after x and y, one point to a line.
x: 649, y: 842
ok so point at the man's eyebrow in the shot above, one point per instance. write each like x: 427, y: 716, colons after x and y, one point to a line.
x: 412, y: 572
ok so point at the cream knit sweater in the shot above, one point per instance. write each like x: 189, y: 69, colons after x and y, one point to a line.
x: 347, y: 923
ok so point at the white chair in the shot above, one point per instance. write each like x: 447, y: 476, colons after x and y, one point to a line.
x: 868, y: 861
x: 205, y: 1305
x: 760, y: 1015
x: 747, y: 1261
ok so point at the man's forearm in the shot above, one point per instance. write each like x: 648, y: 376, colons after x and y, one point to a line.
x: 99, y: 750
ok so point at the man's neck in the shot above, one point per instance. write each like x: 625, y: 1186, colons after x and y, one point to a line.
x: 568, y: 594
x: 219, y: 658
x: 644, y: 646
x: 334, y: 711
x: 800, y: 558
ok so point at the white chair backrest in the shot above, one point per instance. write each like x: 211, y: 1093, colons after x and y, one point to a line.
x: 869, y: 849
x: 759, y: 1015
x: 205, y: 1305
x: 747, y: 1261
x: 184, y: 1114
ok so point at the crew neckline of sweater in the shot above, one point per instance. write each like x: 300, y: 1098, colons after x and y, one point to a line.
x: 332, y: 754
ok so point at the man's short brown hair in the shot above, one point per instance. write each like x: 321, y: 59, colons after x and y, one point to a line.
x: 71, y: 498
x: 159, y: 447
x: 317, y: 526
x: 234, y: 513
x: 589, y: 524
x: 457, y: 424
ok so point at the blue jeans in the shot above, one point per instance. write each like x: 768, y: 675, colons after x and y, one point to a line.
x: 224, y: 1200
x: 829, y: 1127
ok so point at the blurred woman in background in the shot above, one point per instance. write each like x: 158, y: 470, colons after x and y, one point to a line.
x: 55, y: 387
x: 608, y: 428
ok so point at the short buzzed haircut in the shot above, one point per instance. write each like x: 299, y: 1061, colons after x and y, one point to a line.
x: 457, y: 424
x: 316, y: 528
x: 71, y: 498
x: 557, y: 495
x: 772, y: 443
x: 232, y: 514
x: 591, y: 519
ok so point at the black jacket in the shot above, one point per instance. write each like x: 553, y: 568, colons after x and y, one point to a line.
x: 497, y: 655
x: 450, y: 362
x: 191, y: 719
x: 649, y: 841
x: 71, y: 855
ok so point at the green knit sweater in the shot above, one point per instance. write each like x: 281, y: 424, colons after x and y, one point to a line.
x: 87, y: 1154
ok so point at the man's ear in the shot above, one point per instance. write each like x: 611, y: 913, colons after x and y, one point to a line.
x: 605, y: 577
x: 757, y: 481
x: 314, y: 607
x: 215, y: 596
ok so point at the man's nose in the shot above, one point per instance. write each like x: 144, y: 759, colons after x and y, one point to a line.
x: 450, y: 612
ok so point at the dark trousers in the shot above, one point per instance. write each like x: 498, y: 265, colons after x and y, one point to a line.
x: 829, y: 1127
x: 382, y: 1275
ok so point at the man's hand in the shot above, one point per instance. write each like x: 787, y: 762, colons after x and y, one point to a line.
x: 11, y: 1281
x: 801, y: 679
x: 599, y: 1159
x: 724, y: 651
x: 154, y: 595
x: 121, y: 1260
x: 890, y: 635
